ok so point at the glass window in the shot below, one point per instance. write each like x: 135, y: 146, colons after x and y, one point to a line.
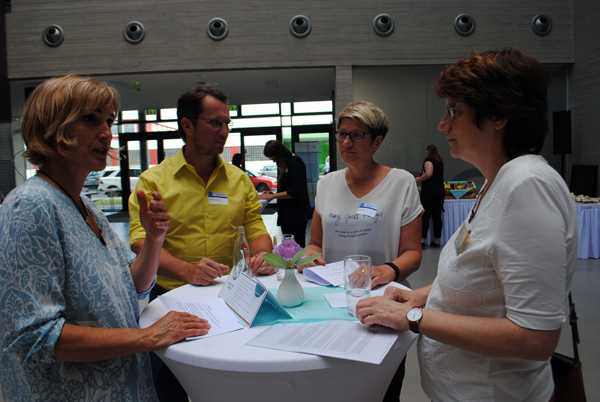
x: 161, y: 126
x: 168, y: 114
x: 312, y: 119
x: 313, y: 107
x: 260, y: 109
x: 130, y: 115
x: 151, y: 114
x: 286, y: 109
x: 256, y: 122
x: 286, y: 121
x: 129, y: 128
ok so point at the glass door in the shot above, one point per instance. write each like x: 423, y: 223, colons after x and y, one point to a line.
x: 253, y: 142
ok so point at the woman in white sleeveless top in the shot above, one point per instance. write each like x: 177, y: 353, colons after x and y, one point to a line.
x: 368, y: 208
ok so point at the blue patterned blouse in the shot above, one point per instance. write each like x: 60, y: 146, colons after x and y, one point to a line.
x: 53, y: 269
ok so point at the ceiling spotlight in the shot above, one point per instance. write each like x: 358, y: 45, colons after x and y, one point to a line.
x: 300, y: 26
x: 218, y: 28
x: 541, y: 25
x: 464, y: 24
x: 53, y: 36
x: 134, y: 32
x: 383, y: 24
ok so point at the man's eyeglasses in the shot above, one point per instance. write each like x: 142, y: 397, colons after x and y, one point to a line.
x: 341, y: 135
x: 218, y: 124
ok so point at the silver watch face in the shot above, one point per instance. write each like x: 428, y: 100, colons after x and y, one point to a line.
x: 414, y: 314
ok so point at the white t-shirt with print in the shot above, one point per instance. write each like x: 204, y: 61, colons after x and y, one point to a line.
x: 518, y: 263
x: 368, y: 225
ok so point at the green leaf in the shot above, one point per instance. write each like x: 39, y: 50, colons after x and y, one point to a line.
x: 275, y: 260
x: 296, y: 257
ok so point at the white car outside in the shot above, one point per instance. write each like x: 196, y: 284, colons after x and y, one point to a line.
x: 111, y: 182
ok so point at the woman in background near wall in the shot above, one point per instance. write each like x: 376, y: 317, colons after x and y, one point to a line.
x: 292, y: 191
x: 432, y: 194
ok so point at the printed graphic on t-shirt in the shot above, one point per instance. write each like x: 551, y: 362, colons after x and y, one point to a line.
x: 349, y: 226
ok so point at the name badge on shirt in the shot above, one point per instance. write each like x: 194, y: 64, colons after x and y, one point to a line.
x: 462, y: 238
x: 215, y: 198
x: 367, y: 208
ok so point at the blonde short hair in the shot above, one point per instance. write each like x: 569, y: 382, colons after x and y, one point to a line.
x: 54, y: 106
x: 368, y: 114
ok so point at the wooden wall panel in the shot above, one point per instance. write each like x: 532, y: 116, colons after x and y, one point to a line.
x: 176, y: 37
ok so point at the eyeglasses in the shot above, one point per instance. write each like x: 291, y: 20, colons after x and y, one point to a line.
x: 451, y: 111
x: 341, y: 135
x: 218, y: 124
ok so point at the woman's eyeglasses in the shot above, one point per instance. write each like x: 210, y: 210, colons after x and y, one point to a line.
x: 341, y: 135
x: 452, y: 112
x: 218, y: 124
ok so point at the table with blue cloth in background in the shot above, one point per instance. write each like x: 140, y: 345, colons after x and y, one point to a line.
x: 588, y: 224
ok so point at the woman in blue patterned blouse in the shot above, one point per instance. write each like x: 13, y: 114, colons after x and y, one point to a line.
x: 70, y: 288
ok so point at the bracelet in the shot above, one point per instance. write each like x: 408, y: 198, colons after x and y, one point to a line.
x: 395, y: 268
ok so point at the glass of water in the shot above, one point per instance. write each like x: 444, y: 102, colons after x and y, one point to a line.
x: 357, y: 279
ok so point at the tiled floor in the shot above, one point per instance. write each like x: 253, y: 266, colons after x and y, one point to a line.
x: 586, y: 285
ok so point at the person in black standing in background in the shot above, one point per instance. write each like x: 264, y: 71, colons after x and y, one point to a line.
x: 292, y: 195
x: 432, y: 194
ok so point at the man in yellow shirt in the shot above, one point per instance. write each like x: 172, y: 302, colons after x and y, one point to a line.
x: 206, y: 200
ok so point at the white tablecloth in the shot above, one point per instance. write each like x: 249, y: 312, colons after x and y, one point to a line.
x: 588, y: 224
x: 223, y: 368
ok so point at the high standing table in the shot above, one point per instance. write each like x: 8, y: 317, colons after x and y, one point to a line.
x: 223, y: 368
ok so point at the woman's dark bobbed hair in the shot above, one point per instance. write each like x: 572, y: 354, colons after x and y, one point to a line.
x: 505, y: 85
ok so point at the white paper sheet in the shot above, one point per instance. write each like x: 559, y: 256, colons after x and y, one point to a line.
x: 214, y: 310
x: 326, y: 275
x: 342, y: 339
x: 338, y: 299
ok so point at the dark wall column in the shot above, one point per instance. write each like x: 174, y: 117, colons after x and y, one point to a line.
x: 7, y: 171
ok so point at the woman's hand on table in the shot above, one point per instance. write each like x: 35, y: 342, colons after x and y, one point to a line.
x: 153, y: 215
x: 175, y: 326
x: 381, y: 275
x: 414, y: 298
x: 383, y: 311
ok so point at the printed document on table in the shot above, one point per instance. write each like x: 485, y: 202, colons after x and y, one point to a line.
x: 338, y: 299
x: 214, y: 310
x: 341, y: 339
x: 326, y: 275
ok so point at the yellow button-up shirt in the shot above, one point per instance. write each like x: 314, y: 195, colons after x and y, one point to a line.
x: 203, y: 217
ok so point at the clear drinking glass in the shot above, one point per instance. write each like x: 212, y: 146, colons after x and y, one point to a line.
x: 357, y: 279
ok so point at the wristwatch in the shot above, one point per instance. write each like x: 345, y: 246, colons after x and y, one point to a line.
x: 414, y: 317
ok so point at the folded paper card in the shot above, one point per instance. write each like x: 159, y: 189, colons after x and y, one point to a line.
x: 251, y: 300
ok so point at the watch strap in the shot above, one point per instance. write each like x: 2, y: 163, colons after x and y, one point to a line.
x: 396, y: 270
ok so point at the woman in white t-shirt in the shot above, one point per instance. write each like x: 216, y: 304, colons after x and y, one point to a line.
x: 492, y: 317
x: 368, y: 208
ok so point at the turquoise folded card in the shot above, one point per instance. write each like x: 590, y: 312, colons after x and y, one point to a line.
x: 315, y: 308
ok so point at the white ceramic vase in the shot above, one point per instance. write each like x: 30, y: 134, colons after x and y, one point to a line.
x: 290, y: 292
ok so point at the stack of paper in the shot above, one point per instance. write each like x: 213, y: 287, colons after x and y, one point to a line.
x: 214, y: 310
x: 331, y: 274
x: 341, y: 339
